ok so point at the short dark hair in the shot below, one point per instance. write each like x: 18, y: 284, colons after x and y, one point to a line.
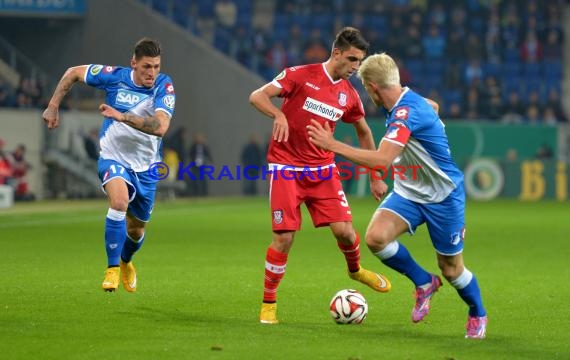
x: 147, y: 47
x: 348, y: 37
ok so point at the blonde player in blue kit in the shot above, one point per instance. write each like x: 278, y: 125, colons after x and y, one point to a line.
x: 415, y: 136
x: 138, y: 106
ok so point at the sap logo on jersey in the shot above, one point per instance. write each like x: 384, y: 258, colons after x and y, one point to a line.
x: 318, y: 108
x: 130, y: 98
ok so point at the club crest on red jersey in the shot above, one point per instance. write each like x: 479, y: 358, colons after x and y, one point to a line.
x: 402, y: 113
x: 277, y: 216
x: 342, y: 99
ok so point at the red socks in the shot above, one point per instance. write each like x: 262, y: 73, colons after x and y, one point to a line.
x: 275, y: 263
x: 351, y: 254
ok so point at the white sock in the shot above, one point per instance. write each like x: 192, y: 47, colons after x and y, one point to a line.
x: 462, y: 280
x: 116, y: 214
x: 390, y: 250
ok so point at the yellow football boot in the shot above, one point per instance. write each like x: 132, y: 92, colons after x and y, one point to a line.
x: 128, y: 276
x: 375, y: 281
x: 111, y: 280
x: 268, y: 314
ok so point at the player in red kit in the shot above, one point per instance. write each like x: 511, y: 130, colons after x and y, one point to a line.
x: 304, y: 173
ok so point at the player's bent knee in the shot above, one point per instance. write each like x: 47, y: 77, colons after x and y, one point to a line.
x: 377, y: 240
x: 119, y: 204
x: 282, y: 241
x: 136, y: 233
x: 450, y: 271
x: 343, y: 231
x: 345, y: 235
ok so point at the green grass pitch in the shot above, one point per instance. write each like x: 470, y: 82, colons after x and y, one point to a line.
x: 201, y: 281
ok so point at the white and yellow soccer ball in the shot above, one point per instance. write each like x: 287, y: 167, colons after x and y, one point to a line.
x: 348, y: 306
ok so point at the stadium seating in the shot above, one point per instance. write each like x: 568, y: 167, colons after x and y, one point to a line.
x: 394, y: 18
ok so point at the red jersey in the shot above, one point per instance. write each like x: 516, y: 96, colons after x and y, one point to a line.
x: 309, y: 92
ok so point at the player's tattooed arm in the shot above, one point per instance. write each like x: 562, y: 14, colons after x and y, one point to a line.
x: 149, y: 124
x: 70, y: 77
x: 152, y: 125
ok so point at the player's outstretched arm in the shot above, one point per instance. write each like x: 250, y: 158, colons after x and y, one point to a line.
x: 153, y: 125
x: 261, y: 100
x: 381, y: 159
x: 70, y: 77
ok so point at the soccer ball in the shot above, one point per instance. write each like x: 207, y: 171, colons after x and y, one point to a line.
x: 348, y: 306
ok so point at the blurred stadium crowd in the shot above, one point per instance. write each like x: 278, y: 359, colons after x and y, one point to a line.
x: 13, y: 171
x: 28, y: 94
x: 499, y: 60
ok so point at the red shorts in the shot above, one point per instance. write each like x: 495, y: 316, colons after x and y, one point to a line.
x: 321, y: 192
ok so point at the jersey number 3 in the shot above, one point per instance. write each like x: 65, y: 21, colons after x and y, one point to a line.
x: 343, y: 200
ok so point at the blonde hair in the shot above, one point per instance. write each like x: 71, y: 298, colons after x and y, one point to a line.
x: 380, y: 69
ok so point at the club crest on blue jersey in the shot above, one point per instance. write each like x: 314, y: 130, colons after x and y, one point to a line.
x: 342, y: 99
x: 457, y: 237
x: 393, y: 133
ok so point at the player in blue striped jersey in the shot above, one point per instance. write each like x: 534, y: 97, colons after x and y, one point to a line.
x: 432, y: 194
x: 139, y: 105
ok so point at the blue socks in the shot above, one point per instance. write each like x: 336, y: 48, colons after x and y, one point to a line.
x: 130, y: 248
x: 397, y: 257
x: 115, y: 232
x: 468, y: 288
